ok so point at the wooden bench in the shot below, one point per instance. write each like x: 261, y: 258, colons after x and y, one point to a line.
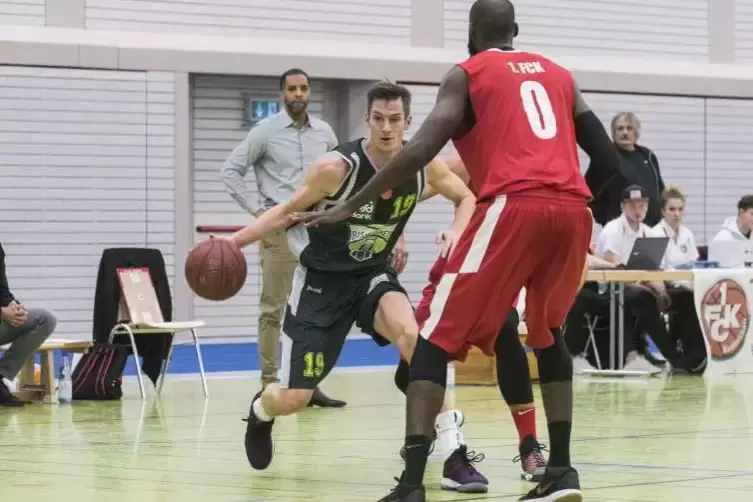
x: 45, y: 390
x: 479, y: 369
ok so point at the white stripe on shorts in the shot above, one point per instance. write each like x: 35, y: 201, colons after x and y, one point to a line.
x: 483, y: 236
x: 471, y: 264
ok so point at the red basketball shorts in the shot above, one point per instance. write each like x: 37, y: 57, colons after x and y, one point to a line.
x: 511, y: 242
x: 424, y: 306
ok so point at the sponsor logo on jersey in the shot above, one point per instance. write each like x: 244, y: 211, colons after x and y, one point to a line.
x: 366, y: 241
x: 365, y: 212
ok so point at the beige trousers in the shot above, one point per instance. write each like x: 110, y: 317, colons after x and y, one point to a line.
x: 277, y: 266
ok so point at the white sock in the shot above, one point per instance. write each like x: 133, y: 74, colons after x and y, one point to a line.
x: 259, y: 411
x: 449, y: 437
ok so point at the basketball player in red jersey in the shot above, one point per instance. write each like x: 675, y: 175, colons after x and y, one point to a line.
x: 513, y: 373
x: 516, y: 119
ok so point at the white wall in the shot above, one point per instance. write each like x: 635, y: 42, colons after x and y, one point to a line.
x: 339, y: 20
x: 744, y: 31
x: 87, y: 164
x: 22, y: 12
x: 676, y: 29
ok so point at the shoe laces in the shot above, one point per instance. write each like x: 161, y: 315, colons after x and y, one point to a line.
x: 533, y: 452
x: 469, y: 457
x: 396, y: 489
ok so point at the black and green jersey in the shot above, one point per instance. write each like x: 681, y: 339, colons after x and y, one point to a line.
x: 367, y: 237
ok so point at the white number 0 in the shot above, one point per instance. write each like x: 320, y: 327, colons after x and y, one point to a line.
x: 538, y: 108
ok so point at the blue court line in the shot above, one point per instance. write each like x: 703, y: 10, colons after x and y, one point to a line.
x: 234, y: 357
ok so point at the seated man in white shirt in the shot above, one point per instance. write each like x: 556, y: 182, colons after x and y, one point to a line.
x: 681, y: 250
x: 647, y: 301
x: 732, y: 247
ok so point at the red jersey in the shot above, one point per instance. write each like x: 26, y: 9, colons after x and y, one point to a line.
x: 524, y: 136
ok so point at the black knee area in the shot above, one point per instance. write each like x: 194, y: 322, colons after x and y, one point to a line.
x: 429, y: 363
x: 555, y: 362
x: 513, y: 374
x: 402, y: 376
x: 508, y: 334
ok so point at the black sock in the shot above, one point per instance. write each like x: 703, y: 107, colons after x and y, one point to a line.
x: 555, y: 381
x: 416, y: 455
x: 559, y: 443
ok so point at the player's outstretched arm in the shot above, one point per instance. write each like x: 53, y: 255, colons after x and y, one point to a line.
x: 323, y: 179
x: 449, y: 185
x: 593, y: 139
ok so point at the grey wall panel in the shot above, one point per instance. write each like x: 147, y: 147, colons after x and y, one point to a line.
x: 74, y: 149
x: 301, y: 20
x: 669, y: 29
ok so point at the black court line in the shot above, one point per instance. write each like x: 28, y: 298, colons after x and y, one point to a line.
x: 360, y: 483
x: 651, y: 435
x: 590, y: 489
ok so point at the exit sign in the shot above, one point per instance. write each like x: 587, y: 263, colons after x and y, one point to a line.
x: 257, y: 110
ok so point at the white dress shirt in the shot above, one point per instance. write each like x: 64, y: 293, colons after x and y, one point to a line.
x: 618, y: 237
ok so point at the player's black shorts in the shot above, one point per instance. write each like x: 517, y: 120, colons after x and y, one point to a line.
x: 321, y: 310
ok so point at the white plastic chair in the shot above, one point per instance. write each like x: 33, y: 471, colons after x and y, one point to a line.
x: 140, y: 313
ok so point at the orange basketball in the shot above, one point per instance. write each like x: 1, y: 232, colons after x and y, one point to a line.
x: 216, y: 269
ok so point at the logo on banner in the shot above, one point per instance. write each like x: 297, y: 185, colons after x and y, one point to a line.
x: 724, y: 311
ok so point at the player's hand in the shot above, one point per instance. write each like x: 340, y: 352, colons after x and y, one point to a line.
x: 14, y: 314
x: 446, y: 240
x: 330, y: 216
x: 399, y: 255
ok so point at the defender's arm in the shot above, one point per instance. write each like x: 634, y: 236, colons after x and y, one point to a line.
x: 323, y: 179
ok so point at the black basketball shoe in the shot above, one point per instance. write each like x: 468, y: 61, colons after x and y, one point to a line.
x: 559, y: 484
x: 259, y: 447
x: 405, y: 493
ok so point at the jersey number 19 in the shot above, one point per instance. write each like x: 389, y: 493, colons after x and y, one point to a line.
x: 538, y: 109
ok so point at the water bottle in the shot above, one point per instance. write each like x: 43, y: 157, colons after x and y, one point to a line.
x: 65, y: 384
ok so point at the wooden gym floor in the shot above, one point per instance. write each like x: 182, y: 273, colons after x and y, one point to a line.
x: 677, y: 439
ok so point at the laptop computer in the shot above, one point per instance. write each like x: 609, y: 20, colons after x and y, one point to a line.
x: 647, y: 253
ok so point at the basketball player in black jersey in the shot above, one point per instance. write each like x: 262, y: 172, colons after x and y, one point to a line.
x: 344, y: 276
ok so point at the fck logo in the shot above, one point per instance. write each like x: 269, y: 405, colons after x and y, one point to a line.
x: 725, y: 316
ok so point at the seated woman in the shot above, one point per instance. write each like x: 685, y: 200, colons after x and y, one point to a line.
x: 681, y: 250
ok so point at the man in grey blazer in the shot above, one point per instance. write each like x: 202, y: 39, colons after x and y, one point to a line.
x: 281, y: 149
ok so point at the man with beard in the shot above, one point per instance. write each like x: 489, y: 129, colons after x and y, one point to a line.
x: 281, y: 149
